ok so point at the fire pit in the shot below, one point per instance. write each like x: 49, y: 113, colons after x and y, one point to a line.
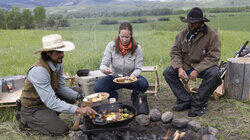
x: 133, y: 131
x: 180, y: 129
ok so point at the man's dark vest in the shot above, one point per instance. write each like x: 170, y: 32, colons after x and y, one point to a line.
x: 30, y: 97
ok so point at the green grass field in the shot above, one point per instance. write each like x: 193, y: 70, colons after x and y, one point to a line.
x: 156, y: 38
x: 221, y: 21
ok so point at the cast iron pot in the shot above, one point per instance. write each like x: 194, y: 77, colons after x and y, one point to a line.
x: 113, y: 108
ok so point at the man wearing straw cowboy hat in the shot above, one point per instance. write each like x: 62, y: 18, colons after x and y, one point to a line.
x: 195, y: 53
x: 44, y: 90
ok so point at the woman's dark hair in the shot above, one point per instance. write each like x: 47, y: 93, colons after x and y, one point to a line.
x: 45, y: 56
x: 126, y: 26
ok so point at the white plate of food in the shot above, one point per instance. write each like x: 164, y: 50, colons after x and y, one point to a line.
x: 125, y: 80
x: 97, y: 97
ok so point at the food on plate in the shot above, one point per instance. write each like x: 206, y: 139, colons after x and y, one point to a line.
x: 120, y: 79
x: 121, y: 115
x: 126, y: 79
x: 98, y: 97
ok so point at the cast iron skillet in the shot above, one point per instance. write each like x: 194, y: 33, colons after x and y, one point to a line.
x: 113, y: 108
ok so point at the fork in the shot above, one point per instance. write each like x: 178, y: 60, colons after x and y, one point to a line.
x: 117, y: 75
x: 120, y: 75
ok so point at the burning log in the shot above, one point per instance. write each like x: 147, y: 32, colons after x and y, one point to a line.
x: 176, y: 132
x: 177, y: 135
x: 182, y: 134
x: 166, y: 137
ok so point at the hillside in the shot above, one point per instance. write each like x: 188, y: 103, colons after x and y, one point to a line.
x: 98, y: 6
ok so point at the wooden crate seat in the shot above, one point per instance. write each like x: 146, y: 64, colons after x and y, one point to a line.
x: 156, y: 84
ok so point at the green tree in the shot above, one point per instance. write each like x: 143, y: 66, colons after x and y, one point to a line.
x: 14, y: 18
x: 56, y: 17
x: 63, y: 23
x: 28, y: 20
x: 2, y: 19
x: 39, y: 16
x: 50, y: 22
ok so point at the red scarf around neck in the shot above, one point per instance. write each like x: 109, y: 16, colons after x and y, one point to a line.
x: 124, y: 49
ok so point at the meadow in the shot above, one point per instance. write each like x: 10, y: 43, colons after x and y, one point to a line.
x: 155, y: 37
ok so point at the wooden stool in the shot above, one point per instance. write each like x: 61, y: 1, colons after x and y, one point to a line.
x: 156, y: 84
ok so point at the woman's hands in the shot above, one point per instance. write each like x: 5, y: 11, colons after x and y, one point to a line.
x: 133, y: 76
x: 107, y: 71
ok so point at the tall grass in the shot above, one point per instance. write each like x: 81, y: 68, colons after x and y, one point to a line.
x: 90, y: 39
x: 17, y: 47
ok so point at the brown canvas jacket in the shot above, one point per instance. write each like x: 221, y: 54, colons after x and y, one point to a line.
x: 203, y: 53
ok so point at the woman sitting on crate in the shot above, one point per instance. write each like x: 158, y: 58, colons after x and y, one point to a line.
x: 124, y: 56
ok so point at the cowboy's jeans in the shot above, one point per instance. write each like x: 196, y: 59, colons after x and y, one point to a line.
x: 211, y: 80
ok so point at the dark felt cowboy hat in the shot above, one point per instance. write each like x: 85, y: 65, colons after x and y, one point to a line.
x: 194, y: 15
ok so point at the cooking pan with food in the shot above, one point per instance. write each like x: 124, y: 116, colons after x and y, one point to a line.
x: 110, y: 109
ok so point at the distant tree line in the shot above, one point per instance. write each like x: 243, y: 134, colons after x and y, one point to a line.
x: 154, y: 12
x: 16, y: 19
x: 167, y: 11
x: 138, y: 20
x: 225, y: 10
x: 109, y: 22
x: 163, y: 19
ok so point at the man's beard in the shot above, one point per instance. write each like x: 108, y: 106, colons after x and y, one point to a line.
x: 192, y: 30
x: 56, y: 61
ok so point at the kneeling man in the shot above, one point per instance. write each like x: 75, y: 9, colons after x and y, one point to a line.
x: 45, y: 93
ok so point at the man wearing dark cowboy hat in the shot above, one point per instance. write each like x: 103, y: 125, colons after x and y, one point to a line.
x: 44, y: 90
x: 195, y: 53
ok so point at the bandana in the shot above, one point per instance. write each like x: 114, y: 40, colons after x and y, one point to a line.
x: 124, y: 49
x: 190, y: 37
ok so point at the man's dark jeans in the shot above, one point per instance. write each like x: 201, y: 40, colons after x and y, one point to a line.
x: 211, y: 80
x: 106, y: 84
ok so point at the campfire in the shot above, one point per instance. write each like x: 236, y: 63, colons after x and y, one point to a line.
x: 155, y: 126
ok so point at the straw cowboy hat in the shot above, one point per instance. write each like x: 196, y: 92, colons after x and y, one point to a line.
x: 194, y: 15
x: 54, y: 42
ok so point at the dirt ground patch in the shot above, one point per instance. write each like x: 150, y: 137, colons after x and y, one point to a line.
x: 230, y: 117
